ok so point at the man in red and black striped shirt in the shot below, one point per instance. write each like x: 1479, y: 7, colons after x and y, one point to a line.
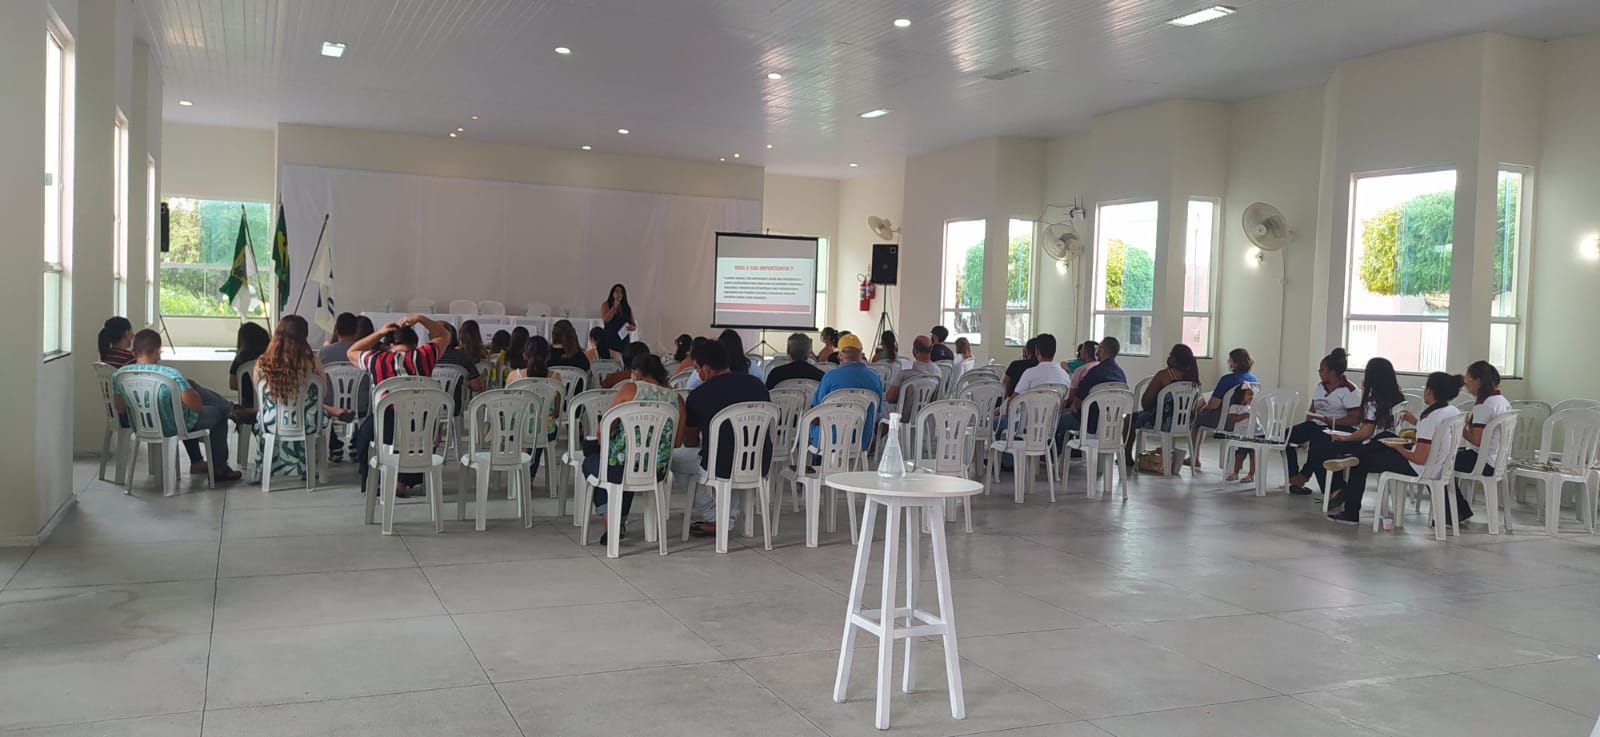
x: 392, y: 351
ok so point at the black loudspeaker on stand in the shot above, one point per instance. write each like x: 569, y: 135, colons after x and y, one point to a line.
x: 885, y: 272
x: 166, y: 228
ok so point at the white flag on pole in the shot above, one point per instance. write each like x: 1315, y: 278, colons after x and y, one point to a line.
x: 321, y: 275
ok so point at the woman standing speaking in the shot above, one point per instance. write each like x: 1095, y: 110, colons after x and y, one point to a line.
x: 617, y: 314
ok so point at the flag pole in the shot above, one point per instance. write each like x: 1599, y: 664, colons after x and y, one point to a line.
x: 250, y: 243
x: 310, y: 264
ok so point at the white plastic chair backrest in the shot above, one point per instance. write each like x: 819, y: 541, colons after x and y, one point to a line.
x: 791, y: 404
x: 419, y: 305
x: 986, y: 393
x: 943, y: 432
x: 548, y: 387
x: 826, y: 367
x: 571, y: 378
x: 1228, y: 400
x: 947, y: 376
x: 491, y: 307
x: 680, y: 380
x: 405, y: 382
x: 915, y: 392
x: 683, y: 392
x: 297, y: 417
x: 863, y: 397
x: 245, y: 376
x: 1413, y: 394
x: 603, y: 367
x: 1275, y: 410
x: 536, y: 309
x: 1060, y: 390
x: 1532, y: 415
x: 838, y: 436
x: 1579, y: 428
x: 141, y: 392
x: 1497, y: 434
x: 753, y: 424
x: 1464, y: 404
x: 1442, y: 448
x: 1575, y: 404
x: 808, y: 386
x: 583, y: 411
x: 500, y: 422
x: 416, y: 415
x: 1033, y: 416
x: 1183, y: 395
x: 451, y: 378
x: 463, y: 307
x: 1143, y: 384
x: 642, y: 425
x: 1109, y: 409
x: 346, y: 382
x: 102, y: 374
x: 1109, y: 386
x: 885, y: 371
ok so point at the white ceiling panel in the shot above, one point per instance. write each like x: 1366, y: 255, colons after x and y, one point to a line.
x: 688, y: 77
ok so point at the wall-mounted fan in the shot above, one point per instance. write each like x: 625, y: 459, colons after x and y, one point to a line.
x: 883, y: 228
x: 1266, y: 228
x: 1061, y: 242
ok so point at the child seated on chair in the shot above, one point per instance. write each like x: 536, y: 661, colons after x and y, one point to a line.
x: 1239, y: 414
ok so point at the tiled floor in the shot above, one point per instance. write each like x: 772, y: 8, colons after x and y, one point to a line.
x: 1194, y: 608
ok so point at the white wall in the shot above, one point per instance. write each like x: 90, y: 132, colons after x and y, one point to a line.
x: 876, y: 193
x: 804, y: 206
x: 217, y: 163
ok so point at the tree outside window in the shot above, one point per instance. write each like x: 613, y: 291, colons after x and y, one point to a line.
x: 203, y: 234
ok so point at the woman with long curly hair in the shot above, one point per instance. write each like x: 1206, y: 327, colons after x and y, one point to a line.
x: 286, y: 368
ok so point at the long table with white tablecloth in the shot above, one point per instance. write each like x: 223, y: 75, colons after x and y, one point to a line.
x: 488, y: 324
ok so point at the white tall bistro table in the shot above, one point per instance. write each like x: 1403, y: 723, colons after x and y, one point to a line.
x: 916, y: 492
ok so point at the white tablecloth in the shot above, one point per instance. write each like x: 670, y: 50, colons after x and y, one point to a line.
x: 488, y: 324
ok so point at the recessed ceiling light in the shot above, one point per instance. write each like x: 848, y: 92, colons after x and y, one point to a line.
x: 877, y: 113
x: 474, y: 117
x: 562, y: 50
x: 461, y: 130
x: 735, y: 156
x: 586, y: 147
x: 774, y: 76
x: 185, y: 103
x: 623, y: 131
x: 854, y: 165
x: 452, y: 134
x: 902, y: 22
x: 769, y: 146
x: 332, y: 49
x: 722, y: 158
x: 1202, y: 16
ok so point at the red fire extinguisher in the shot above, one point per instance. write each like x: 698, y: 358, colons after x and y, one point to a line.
x: 867, y: 292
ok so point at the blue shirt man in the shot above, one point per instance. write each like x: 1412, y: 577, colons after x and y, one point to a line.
x: 851, y: 374
x: 1105, y: 372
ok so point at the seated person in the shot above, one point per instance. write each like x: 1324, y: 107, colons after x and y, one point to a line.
x: 940, y: 351
x: 251, y: 343
x: 203, y: 409
x: 1211, y: 414
x: 719, y: 389
x: 649, y: 385
x: 394, y: 350
x: 599, y: 348
x: 1181, y: 366
x: 344, y: 334
x: 115, y: 342
x: 799, y: 366
x: 1378, y: 458
x: 921, y: 365
x: 1237, y: 414
x: 1336, y: 405
x: 1088, y: 356
x: 1105, y: 372
x: 631, y: 351
x: 851, y: 374
x: 1015, y: 368
x: 454, y: 356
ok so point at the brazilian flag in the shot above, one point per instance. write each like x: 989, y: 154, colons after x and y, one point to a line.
x: 237, y: 287
x: 280, y: 259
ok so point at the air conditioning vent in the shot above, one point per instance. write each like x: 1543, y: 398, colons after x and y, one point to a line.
x: 1006, y: 74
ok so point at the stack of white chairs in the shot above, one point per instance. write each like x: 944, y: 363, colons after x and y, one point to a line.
x: 500, y: 431
x: 1029, y: 436
x: 1438, y: 476
x: 143, y: 394
x: 1102, y: 421
x: 941, y: 443
x: 411, y: 416
x: 114, y: 430
x: 1567, y: 455
x: 491, y: 307
x: 752, y: 424
x: 1497, y: 434
x: 298, y: 418
x: 642, y: 425
x: 1272, y: 415
x: 463, y: 307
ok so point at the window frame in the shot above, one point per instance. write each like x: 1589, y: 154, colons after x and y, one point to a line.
x: 1097, y: 279
x: 152, y: 245
x: 56, y: 322
x: 948, y: 312
x: 1031, y: 310
x: 1211, y: 270
x: 1525, y: 195
x: 824, y: 277
x: 264, y: 291
x: 119, y: 215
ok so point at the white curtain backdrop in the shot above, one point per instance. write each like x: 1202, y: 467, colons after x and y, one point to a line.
x: 398, y: 236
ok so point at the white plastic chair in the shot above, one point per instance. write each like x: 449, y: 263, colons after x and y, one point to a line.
x: 680, y: 380
x: 752, y: 424
x: 114, y: 429
x: 826, y: 367
x: 791, y: 403
x: 600, y: 368
x: 642, y: 425
x: 839, y: 428
x: 1566, y: 404
x: 1111, y: 409
x: 491, y: 307
x: 141, y: 392
x: 1274, y: 413
x: 1141, y: 385
x: 346, y: 385
x: 915, y: 392
x: 1569, y: 462
x: 582, y: 421
x: 463, y: 307
x: 420, y: 305
x: 245, y: 377
x: 537, y: 309
x: 414, y: 414
x: 1437, y: 476
x: 297, y: 418
x: 1525, y: 444
x: 1174, y: 410
x: 886, y: 371
x: 809, y: 386
x: 1496, y: 487
x: 1203, y: 397
x: 572, y: 379
x: 547, y: 392
x: 500, y: 429
x: 941, y: 443
x: 394, y: 383
x: 453, y: 380
x: 947, y: 371
x: 870, y: 403
x: 1029, y: 435
x: 987, y: 393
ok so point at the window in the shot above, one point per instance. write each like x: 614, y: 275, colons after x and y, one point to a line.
x: 202, y: 238
x: 57, y: 135
x: 1125, y: 273
x: 1506, y: 306
x: 962, y: 298
x: 1398, y: 278
x: 1019, y: 283
x: 119, y: 216
x: 824, y: 275
x: 1199, y: 289
x: 152, y: 221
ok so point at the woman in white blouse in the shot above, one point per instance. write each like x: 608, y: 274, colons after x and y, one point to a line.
x: 1483, y: 383
x: 1335, y: 405
x: 1442, y: 388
